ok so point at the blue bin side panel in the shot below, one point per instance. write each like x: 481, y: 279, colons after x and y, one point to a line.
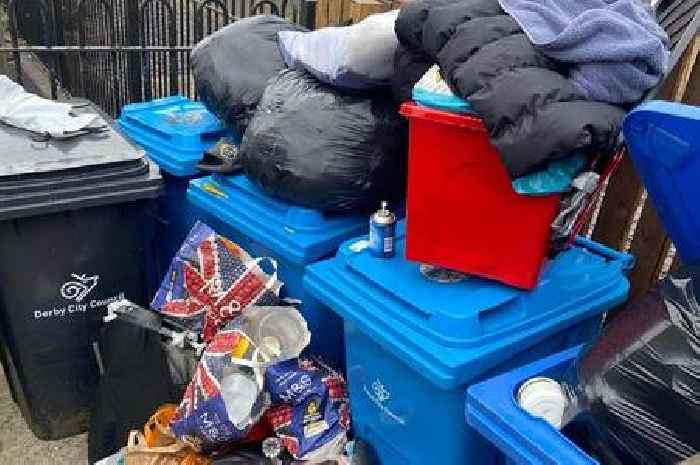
x: 491, y: 409
x: 408, y: 420
x: 401, y: 415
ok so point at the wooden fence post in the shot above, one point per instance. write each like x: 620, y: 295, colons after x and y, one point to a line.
x: 360, y: 9
x: 332, y: 12
x: 339, y: 12
x: 3, y: 29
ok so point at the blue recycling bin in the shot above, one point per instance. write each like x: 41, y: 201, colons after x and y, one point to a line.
x: 295, y: 237
x: 414, y: 345
x: 664, y: 143
x: 492, y: 410
x: 174, y: 132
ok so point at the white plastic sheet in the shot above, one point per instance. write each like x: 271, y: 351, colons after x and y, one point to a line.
x: 22, y: 109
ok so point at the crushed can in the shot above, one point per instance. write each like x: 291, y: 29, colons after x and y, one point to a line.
x: 382, y: 232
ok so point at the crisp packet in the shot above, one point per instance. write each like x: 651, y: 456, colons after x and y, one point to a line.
x: 310, y: 411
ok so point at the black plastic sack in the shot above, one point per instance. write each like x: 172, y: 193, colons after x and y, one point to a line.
x: 232, y: 66
x: 136, y: 382
x: 141, y: 370
x: 315, y: 146
x: 638, y: 388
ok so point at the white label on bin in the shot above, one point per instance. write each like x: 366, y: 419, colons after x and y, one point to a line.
x: 380, y: 395
x: 76, y: 290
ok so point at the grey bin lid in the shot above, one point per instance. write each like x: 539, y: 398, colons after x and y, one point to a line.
x: 37, y: 178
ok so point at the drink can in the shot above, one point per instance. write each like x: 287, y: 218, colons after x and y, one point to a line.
x: 382, y: 232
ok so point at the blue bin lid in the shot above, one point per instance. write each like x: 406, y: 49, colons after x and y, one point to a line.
x: 174, y: 131
x: 299, y: 235
x: 664, y: 143
x: 492, y: 409
x: 452, y: 333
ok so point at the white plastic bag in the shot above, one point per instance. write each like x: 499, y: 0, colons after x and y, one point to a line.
x: 21, y: 109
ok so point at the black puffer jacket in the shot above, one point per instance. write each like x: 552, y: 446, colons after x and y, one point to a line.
x: 532, y: 112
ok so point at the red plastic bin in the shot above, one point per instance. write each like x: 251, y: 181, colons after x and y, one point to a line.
x: 462, y: 212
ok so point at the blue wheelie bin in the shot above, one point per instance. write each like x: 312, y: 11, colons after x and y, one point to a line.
x: 295, y: 237
x: 664, y: 144
x: 413, y: 345
x: 175, y: 132
x: 493, y: 411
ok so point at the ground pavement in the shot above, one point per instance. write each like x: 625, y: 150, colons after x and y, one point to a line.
x: 18, y: 446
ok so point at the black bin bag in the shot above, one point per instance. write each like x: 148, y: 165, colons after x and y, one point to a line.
x: 232, y: 66
x: 637, y: 389
x: 146, y: 361
x: 320, y: 148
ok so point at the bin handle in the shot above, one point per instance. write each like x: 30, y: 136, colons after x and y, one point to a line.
x: 625, y: 259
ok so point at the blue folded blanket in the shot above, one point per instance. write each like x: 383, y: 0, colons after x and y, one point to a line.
x: 616, y: 46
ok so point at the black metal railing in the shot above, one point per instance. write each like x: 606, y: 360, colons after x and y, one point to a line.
x: 114, y: 52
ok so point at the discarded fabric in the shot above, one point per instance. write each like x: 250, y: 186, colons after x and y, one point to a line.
x: 616, y: 48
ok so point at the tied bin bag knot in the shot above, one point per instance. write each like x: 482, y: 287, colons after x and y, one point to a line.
x: 211, y: 280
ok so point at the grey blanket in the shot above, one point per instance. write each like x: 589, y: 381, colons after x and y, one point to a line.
x: 617, y: 49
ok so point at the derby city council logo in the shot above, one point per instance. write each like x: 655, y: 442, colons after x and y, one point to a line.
x: 79, y: 288
x: 380, y: 397
x: 380, y: 391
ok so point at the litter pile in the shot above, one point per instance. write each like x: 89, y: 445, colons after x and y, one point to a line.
x: 219, y: 325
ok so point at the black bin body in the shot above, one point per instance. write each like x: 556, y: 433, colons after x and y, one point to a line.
x: 76, y: 233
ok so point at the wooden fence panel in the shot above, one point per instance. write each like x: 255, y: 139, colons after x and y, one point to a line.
x: 650, y: 245
x: 339, y: 12
x: 322, y: 13
x: 360, y: 9
x: 620, y: 203
x: 677, y: 263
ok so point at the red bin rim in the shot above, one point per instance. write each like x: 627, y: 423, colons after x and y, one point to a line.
x: 413, y: 110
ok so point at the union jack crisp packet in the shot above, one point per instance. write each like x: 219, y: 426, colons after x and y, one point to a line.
x: 310, y: 411
x: 201, y: 419
x: 211, y: 280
